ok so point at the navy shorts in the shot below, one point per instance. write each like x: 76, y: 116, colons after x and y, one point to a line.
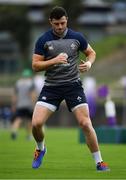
x: 52, y: 96
x: 23, y: 113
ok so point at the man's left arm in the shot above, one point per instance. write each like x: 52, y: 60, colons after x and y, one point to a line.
x: 90, y: 58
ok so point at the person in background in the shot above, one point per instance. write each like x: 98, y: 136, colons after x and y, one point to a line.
x: 57, y: 53
x: 22, y: 104
x: 110, y: 111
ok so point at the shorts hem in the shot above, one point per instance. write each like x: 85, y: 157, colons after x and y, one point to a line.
x: 47, y: 105
x: 79, y: 105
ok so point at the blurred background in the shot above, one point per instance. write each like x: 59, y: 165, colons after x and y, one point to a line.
x: 103, y: 22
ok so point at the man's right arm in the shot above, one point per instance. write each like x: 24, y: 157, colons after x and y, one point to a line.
x: 39, y: 63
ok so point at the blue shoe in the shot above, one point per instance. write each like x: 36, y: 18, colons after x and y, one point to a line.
x: 102, y: 166
x: 38, y: 157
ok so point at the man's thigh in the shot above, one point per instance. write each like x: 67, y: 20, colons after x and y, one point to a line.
x: 40, y: 114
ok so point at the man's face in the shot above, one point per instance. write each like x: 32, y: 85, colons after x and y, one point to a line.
x: 59, y: 25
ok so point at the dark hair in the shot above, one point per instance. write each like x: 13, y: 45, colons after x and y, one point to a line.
x: 58, y: 12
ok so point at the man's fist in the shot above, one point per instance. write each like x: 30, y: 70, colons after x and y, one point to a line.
x: 84, y: 66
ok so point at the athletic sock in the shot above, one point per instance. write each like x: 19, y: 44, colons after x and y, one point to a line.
x: 97, y: 157
x: 40, y: 145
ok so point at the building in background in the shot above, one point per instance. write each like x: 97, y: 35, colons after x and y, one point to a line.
x: 11, y: 57
x: 101, y: 18
x: 9, y: 53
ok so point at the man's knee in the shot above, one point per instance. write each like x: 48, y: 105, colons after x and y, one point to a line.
x: 85, y: 124
x: 36, y: 123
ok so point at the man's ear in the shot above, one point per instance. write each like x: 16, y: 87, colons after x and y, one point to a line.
x: 50, y: 21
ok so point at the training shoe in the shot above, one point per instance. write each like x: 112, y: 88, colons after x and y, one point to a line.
x: 13, y: 135
x: 102, y: 166
x: 38, y: 157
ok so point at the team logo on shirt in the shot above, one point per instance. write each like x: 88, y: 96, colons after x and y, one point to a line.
x: 50, y: 47
x: 79, y: 98
x: 73, y: 46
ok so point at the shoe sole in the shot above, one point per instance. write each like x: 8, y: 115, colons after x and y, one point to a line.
x: 107, y: 170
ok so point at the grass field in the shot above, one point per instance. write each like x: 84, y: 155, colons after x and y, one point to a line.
x: 65, y: 158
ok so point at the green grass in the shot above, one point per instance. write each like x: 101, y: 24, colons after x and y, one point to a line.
x: 65, y: 159
x: 108, y: 45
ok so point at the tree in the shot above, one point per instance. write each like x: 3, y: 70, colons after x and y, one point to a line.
x: 13, y: 18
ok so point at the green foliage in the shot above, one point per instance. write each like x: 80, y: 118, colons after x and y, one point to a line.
x: 12, y: 10
x: 109, y: 45
x: 65, y: 158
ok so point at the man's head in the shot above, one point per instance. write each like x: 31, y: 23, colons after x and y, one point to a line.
x: 27, y: 73
x: 58, y: 19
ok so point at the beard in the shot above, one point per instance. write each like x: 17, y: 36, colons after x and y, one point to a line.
x: 59, y: 32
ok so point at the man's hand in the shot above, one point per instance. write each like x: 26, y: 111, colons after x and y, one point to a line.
x: 40, y: 64
x: 84, y: 66
x: 61, y: 58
